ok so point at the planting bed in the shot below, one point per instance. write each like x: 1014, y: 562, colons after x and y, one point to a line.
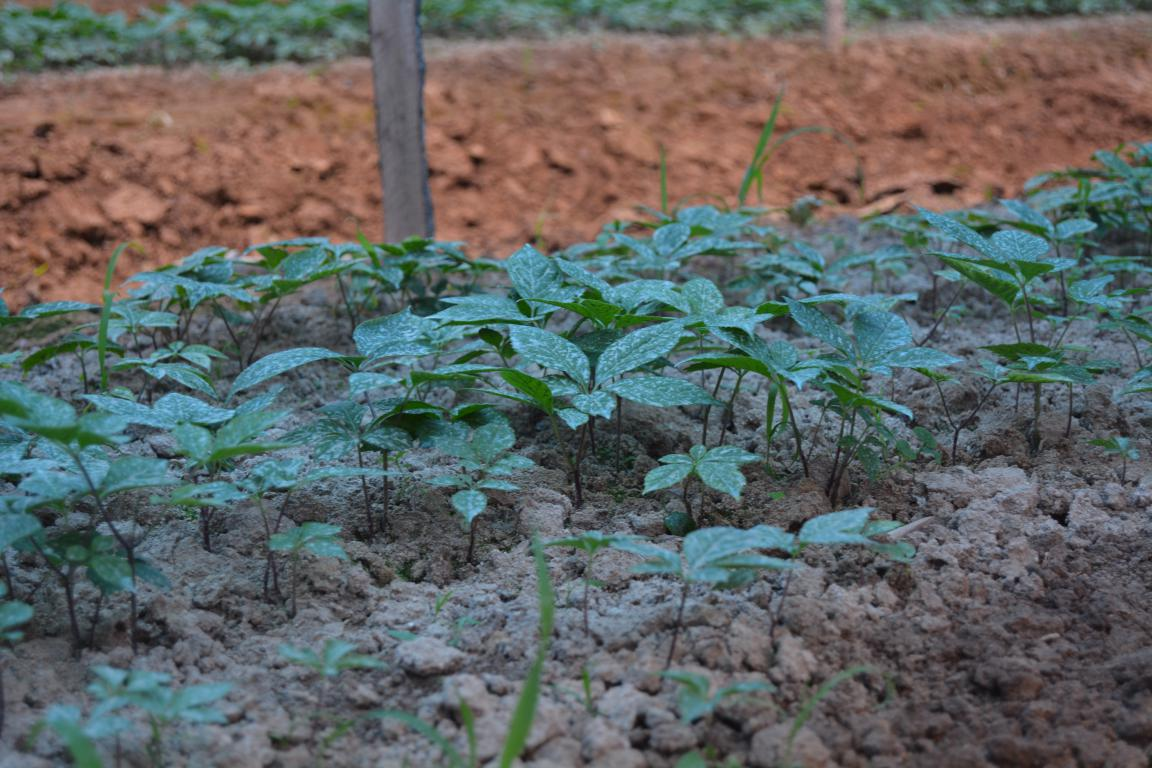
x: 922, y: 532
x: 538, y: 140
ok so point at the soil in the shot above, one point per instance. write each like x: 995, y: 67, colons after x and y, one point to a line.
x: 546, y: 141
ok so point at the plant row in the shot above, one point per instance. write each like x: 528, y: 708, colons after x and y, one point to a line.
x: 72, y: 35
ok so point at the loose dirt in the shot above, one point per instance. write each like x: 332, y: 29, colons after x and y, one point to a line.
x: 546, y: 141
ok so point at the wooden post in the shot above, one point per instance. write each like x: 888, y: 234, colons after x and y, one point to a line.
x: 834, y: 25
x: 398, y: 90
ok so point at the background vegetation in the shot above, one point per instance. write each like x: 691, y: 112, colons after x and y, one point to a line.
x: 73, y: 35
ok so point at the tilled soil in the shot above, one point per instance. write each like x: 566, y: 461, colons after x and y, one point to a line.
x: 548, y: 140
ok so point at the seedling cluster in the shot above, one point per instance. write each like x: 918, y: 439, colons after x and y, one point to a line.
x: 444, y: 358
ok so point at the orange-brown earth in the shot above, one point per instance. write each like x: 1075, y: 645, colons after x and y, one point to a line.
x: 547, y: 140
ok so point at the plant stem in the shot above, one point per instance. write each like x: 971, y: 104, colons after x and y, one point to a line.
x: 795, y: 428
x: 779, y: 612
x: 708, y: 409
x: 364, y: 490
x: 619, y: 429
x: 472, y: 540
x: 385, y: 524
x: 128, y: 547
x: 679, y: 623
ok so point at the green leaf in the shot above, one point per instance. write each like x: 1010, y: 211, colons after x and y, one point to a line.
x: 660, y: 391
x: 277, y: 363
x: 535, y: 276
x: 551, y: 350
x: 402, y: 334
x: 920, y: 357
x: 596, y: 404
x: 720, y: 469
x: 962, y: 233
x: 469, y: 504
x: 15, y: 526
x: 1014, y: 246
x: 817, y: 324
x: 636, y: 349
x: 843, y: 527
x: 878, y: 334
x: 537, y: 391
x: 667, y: 475
x: 132, y: 472
x: 995, y: 281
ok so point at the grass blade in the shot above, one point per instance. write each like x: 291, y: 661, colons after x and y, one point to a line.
x: 525, y: 712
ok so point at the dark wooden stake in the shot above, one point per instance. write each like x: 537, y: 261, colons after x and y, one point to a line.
x: 398, y: 90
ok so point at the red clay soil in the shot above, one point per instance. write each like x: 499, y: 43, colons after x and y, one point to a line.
x: 547, y: 140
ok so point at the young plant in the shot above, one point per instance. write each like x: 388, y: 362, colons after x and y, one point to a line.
x: 319, y: 539
x: 718, y: 557
x: 210, y: 450
x: 1122, y: 447
x: 696, y: 700
x: 590, y: 543
x: 336, y: 657
x: 385, y: 427
x: 879, y: 343
x: 84, y: 472
x: 717, y: 468
x: 1007, y: 265
x: 485, y: 460
x: 591, y: 392
x: 152, y: 692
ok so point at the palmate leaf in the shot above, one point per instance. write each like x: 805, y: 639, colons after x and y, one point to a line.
x: 637, y: 349
x: 675, y: 469
x: 817, y: 324
x: 878, y: 334
x: 133, y: 472
x: 719, y: 468
x: 660, y: 391
x: 402, y: 334
x: 15, y: 526
x: 277, y: 363
x: 997, y: 282
x: 843, y: 527
x: 536, y: 391
x: 551, y: 350
x: 600, y: 404
x: 469, y: 504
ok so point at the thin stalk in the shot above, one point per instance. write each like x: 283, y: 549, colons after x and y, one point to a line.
x: 939, y: 318
x: 578, y: 490
x: 968, y: 419
x: 472, y: 540
x: 619, y: 429
x: 364, y: 488
x: 1068, y: 425
x: 708, y: 408
x: 774, y: 620
x: 295, y: 581
x: 679, y: 623
x: 384, y: 522
x: 129, y: 548
x: 795, y: 429
x: 729, y: 418
x: 836, y: 458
